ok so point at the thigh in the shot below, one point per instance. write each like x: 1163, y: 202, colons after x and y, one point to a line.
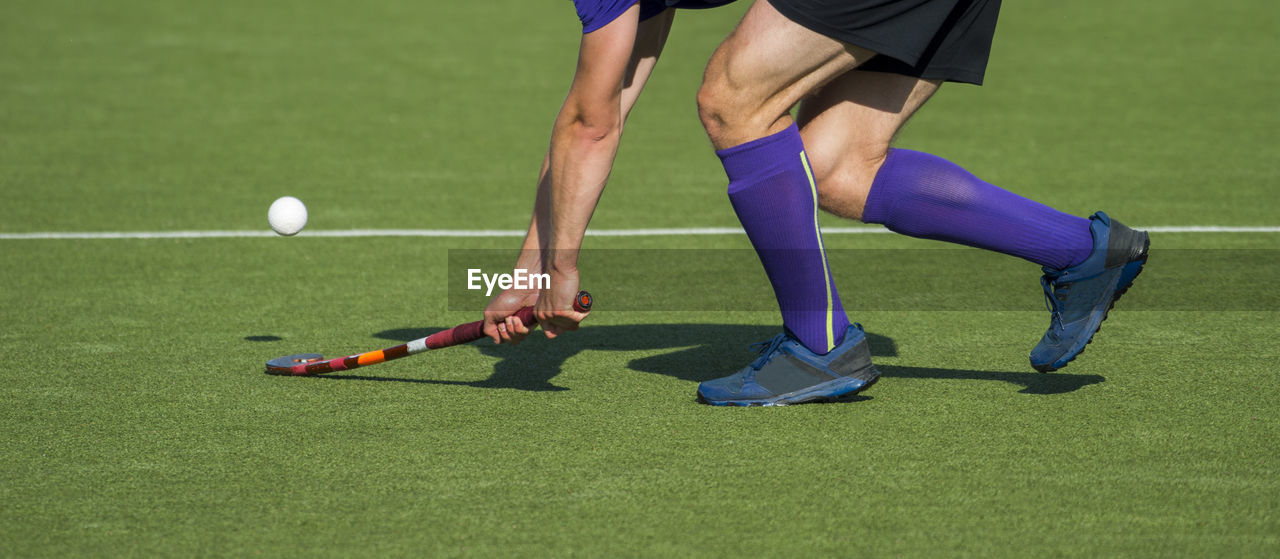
x: 769, y: 63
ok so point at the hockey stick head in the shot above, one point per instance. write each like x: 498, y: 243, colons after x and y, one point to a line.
x: 284, y: 365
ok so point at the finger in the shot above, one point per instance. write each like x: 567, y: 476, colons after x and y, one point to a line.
x: 514, y: 324
x: 513, y: 335
x: 551, y: 330
x: 491, y: 330
x: 504, y: 332
x: 565, y: 324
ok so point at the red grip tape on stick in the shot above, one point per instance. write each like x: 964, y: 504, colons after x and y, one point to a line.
x: 472, y: 331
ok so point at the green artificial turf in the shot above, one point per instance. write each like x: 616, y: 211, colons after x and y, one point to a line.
x: 137, y: 420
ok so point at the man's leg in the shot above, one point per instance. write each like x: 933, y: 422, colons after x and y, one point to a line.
x: 763, y: 69
x: 752, y: 81
x: 848, y: 127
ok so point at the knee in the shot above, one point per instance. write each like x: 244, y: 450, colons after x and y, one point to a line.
x: 715, y: 108
x: 728, y: 111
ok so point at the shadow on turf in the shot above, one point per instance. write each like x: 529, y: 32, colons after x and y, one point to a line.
x: 700, y: 352
x: 262, y: 338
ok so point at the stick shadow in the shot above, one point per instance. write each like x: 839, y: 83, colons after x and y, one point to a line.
x: 698, y: 352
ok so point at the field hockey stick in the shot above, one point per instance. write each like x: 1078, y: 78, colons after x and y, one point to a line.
x: 304, y: 364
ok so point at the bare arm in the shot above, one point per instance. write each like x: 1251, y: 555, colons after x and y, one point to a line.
x: 614, y: 63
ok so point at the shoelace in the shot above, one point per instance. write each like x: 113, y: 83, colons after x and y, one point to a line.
x: 766, y: 349
x: 1052, y: 302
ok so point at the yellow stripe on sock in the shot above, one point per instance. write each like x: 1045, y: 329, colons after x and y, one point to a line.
x: 826, y: 272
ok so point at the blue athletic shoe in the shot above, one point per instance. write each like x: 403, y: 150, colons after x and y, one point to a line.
x: 1079, y: 297
x: 788, y: 373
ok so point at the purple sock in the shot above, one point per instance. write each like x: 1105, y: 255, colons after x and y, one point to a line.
x: 926, y: 196
x: 771, y: 189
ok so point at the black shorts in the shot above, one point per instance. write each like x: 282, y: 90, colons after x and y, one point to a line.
x: 933, y: 39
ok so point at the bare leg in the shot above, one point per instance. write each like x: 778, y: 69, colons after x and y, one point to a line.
x: 766, y: 66
x: 847, y: 128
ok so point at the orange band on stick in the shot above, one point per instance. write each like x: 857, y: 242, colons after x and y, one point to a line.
x: 371, y: 358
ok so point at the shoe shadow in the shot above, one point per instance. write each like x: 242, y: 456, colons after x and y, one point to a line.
x: 699, y: 352
x: 1032, y: 383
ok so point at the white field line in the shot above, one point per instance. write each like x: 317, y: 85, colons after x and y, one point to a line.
x: 691, y: 231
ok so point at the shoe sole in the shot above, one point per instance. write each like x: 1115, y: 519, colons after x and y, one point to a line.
x: 821, y: 393
x: 1141, y: 263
